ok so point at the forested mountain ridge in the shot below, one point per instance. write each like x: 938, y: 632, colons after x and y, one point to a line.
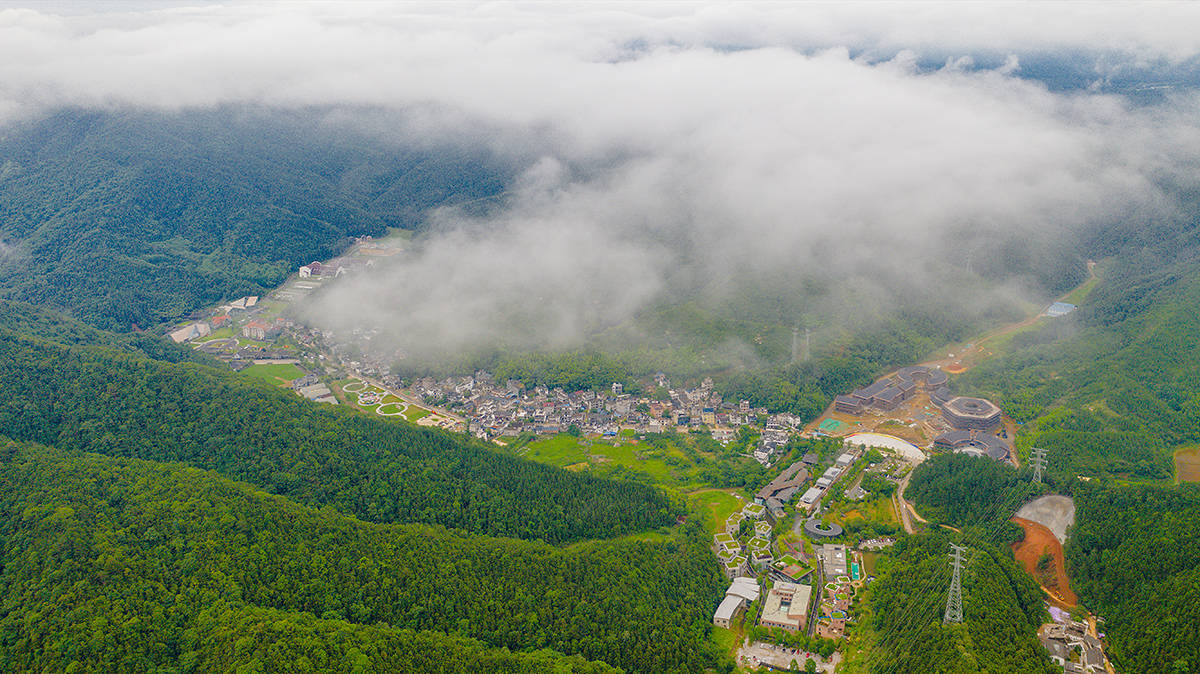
x: 128, y: 565
x: 1002, y: 608
x: 190, y: 208
x: 1112, y: 387
x: 1134, y: 557
x: 41, y: 323
x: 94, y: 399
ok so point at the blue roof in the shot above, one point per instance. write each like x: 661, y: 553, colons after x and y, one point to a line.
x: 1059, y: 309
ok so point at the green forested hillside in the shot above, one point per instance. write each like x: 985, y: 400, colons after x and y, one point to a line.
x: 965, y: 490
x: 1134, y: 557
x: 127, y: 565
x: 95, y: 399
x: 34, y: 321
x: 126, y: 217
x: 1002, y: 608
x: 1114, y: 386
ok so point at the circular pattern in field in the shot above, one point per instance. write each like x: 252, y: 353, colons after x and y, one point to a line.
x: 390, y: 409
x: 354, y: 387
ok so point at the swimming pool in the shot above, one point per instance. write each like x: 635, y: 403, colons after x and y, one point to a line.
x: 854, y: 570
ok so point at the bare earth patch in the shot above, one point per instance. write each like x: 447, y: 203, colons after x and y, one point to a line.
x: 1039, y: 541
x: 1055, y: 512
x: 1187, y: 464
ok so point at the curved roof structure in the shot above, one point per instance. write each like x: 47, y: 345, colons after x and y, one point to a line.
x: 979, y: 444
x: 967, y: 413
x: 928, y: 377
x: 813, y: 528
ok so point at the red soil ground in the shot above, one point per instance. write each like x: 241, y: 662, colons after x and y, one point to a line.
x: 1038, y: 541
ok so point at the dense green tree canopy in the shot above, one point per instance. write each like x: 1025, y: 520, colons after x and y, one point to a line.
x: 128, y: 565
x: 97, y: 399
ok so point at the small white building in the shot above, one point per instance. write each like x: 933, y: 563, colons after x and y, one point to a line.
x: 742, y: 592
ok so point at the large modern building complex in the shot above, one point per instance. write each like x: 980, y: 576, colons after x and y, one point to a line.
x: 888, y: 393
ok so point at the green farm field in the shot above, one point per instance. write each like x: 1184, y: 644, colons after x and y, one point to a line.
x: 567, y: 450
x: 279, y: 374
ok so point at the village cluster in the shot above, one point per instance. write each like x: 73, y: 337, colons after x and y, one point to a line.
x: 497, y: 409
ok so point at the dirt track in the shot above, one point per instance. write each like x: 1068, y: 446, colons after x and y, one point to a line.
x: 1040, y: 540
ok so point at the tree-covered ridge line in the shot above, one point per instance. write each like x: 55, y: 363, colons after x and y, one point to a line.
x: 95, y: 399
x: 125, y: 217
x: 1134, y: 557
x: 1002, y: 608
x: 1112, y: 387
x: 127, y: 565
x: 34, y: 321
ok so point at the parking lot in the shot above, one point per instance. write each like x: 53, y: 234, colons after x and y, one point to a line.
x: 760, y: 654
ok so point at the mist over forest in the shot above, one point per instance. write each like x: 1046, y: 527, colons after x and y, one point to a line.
x: 614, y: 177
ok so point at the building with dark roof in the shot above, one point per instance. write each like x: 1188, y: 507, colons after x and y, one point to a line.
x: 888, y: 399
x: 869, y: 393
x: 784, y: 486
x: 849, y: 404
x: 927, y: 378
x: 974, y: 442
x: 966, y: 413
x: 941, y: 396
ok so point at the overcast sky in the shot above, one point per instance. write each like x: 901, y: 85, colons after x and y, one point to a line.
x: 677, y: 141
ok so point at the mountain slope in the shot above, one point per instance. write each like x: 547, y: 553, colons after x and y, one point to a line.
x: 96, y: 399
x: 127, y: 565
x: 127, y: 217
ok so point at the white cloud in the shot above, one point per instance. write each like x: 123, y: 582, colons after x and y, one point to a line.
x: 691, y: 144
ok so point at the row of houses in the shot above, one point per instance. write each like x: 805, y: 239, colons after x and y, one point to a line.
x: 814, y: 494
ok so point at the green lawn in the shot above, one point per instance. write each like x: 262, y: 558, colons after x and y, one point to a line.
x: 390, y: 408
x: 714, y: 506
x: 727, y: 640
x: 565, y: 450
x: 413, y: 413
x: 280, y: 374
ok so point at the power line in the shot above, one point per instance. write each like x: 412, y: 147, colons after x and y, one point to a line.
x: 1039, y: 464
x: 954, y: 609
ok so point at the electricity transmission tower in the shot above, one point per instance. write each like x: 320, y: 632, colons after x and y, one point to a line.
x: 1038, y: 459
x: 954, y: 610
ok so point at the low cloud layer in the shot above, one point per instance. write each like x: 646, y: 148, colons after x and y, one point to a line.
x: 674, y: 150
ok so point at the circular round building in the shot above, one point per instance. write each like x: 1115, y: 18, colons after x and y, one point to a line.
x: 927, y: 378
x: 813, y: 528
x: 971, y: 413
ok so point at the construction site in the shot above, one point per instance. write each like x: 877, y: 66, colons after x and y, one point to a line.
x: 916, y: 404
